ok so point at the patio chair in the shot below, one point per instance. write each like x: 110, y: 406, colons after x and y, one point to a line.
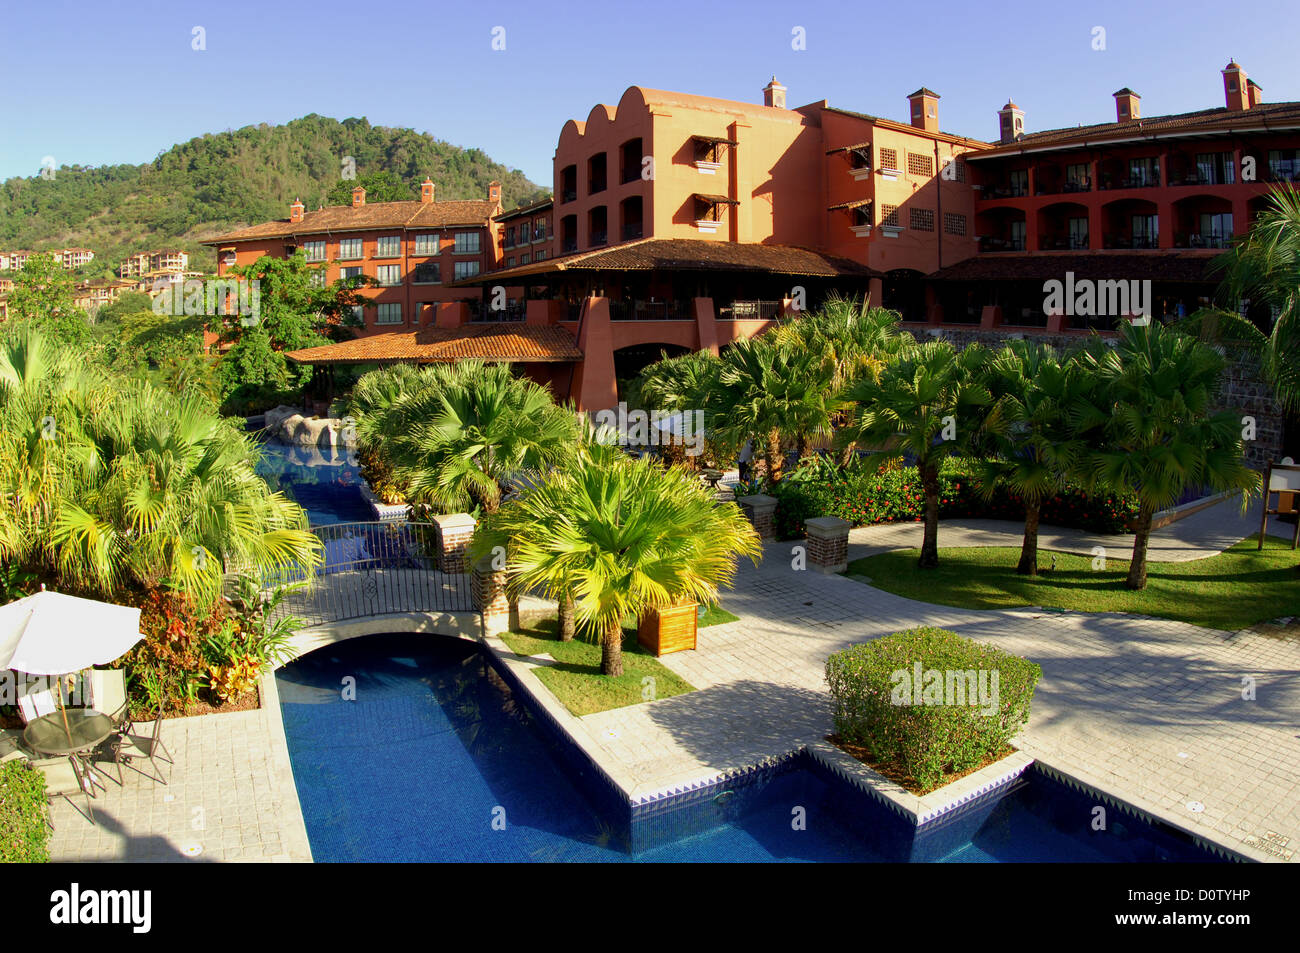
x: 63, y: 778
x: 1282, y: 479
x: 34, y: 704
x: 10, y: 747
x: 108, y: 695
x: 130, y: 747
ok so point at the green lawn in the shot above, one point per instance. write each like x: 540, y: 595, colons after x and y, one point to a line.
x: 575, y: 677
x: 1231, y: 591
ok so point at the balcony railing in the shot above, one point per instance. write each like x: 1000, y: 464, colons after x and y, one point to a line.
x: 1148, y: 181
x: 513, y: 311
x: 569, y: 195
x: 750, y: 311
x: 992, y: 243
x: 1004, y: 191
x: 629, y: 175
x: 1063, y: 243
x: 1196, y: 240
x: 599, y: 238
x: 569, y: 245
x: 1196, y: 178
x: 1131, y: 241
x: 596, y: 185
x: 1065, y: 188
x: 651, y: 310
x: 631, y: 232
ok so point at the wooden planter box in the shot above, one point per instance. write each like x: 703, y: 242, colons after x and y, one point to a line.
x: 669, y: 630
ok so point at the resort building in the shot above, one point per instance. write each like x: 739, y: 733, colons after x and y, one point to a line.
x: 96, y: 294
x: 69, y: 258
x: 143, y: 263
x: 683, y: 222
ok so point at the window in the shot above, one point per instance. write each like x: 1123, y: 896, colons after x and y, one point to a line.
x: 889, y: 160
x: 389, y: 275
x: 922, y: 219
x: 389, y: 314
x: 1143, y: 172
x: 388, y: 246
x: 860, y: 158
x: 1146, y: 231
x: 350, y: 272
x: 523, y: 259
x: 1017, y: 236
x: 349, y: 249
x: 467, y: 243
x: 539, y: 230
x: 426, y: 244
x: 1215, y: 168
x: 318, y: 278
x: 1076, y: 176
x: 889, y: 216
x: 315, y: 250
x: 1216, y: 226
x: 510, y: 262
x: 427, y: 273
x: 1284, y: 164
x: 359, y: 314
x: 920, y: 164
x: 1079, y: 232
x: 954, y: 224
x: 539, y: 254
x: 1018, y: 179
x: 466, y: 269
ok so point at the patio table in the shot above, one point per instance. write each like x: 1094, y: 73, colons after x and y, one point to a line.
x: 87, y: 728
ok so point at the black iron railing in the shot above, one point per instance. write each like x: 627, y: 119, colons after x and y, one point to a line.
x: 374, y: 569
x: 750, y: 310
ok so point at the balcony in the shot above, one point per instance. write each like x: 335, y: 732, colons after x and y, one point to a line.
x: 750, y: 311
x: 1063, y: 243
x: 569, y: 195
x: 1004, y: 191
x: 1131, y: 241
x: 513, y: 311
x: 1213, y: 177
x: 1065, y: 188
x: 1198, y: 240
x: 995, y: 243
x: 569, y: 245
x: 651, y: 310
x: 631, y: 232
x: 598, y: 238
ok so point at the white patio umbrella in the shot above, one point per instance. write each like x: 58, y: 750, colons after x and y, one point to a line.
x: 50, y: 633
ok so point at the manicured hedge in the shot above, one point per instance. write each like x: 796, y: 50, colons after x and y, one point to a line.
x: 23, y: 833
x: 863, y: 498
x: 928, y: 735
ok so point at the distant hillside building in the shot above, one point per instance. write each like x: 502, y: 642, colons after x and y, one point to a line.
x: 146, y: 262
x: 69, y: 258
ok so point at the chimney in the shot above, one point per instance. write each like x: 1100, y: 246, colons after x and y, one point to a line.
x: 1254, y: 93
x: 494, y: 192
x: 774, y: 94
x: 358, y: 197
x: 1234, y: 86
x: 1011, y: 122
x: 925, y: 109
x: 296, y: 211
x: 1128, y: 105
x: 427, y: 193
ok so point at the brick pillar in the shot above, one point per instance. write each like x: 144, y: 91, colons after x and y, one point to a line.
x: 489, y: 589
x: 454, y: 532
x: 760, y: 510
x: 828, y: 543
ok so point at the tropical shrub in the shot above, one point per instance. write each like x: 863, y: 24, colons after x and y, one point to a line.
x: 864, y: 498
x: 23, y: 832
x: 926, y: 727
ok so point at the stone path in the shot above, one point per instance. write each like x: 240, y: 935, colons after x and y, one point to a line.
x: 1146, y: 709
x: 230, y: 797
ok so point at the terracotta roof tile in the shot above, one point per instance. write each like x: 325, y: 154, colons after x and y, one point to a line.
x: 493, y: 342
x: 1219, y: 119
x: 689, y: 254
x: 373, y: 215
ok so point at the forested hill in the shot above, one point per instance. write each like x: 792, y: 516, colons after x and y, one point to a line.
x: 218, y: 181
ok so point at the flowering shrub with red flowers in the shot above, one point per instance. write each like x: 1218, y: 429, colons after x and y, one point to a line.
x: 822, y: 488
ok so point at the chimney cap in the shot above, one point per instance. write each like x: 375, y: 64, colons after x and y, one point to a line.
x: 923, y: 92
x: 1125, y: 92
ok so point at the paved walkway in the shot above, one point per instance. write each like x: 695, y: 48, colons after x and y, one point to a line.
x: 229, y: 797
x: 1146, y: 709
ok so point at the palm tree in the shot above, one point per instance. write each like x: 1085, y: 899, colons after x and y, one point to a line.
x: 623, y: 536
x: 1263, y: 267
x: 1030, y: 445
x: 927, y: 404
x: 855, y: 337
x: 768, y: 390
x: 467, y: 430
x: 1151, y: 428
x: 108, y: 483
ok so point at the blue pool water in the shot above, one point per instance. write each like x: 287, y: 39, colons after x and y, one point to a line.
x: 437, y: 759
x: 324, y: 482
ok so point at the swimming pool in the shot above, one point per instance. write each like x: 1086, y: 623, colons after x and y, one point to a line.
x: 325, y: 482
x: 437, y: 759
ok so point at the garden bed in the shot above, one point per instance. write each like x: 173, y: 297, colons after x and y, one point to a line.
x: 900, y: 776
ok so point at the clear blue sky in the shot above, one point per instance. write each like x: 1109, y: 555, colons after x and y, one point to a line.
x: 98, y: 83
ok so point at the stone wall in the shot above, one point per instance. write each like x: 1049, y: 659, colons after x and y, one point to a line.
x: 1242, y: 390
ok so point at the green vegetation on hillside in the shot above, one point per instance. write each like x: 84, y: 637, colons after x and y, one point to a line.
x: 224, y: 180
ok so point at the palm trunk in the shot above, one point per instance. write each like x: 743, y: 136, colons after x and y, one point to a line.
x: 847, y: 456
x: 611, y: 648
x: 566, y: 617
x: 801, y: 446
x: 775, y: 462
x: 1137, y: 567
x: 1029, y: 549
x: 930, y: 543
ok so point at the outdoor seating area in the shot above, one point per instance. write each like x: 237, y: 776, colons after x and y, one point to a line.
x: 76, y: 717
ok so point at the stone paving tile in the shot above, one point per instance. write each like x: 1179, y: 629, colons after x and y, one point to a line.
x: 230, y: 794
